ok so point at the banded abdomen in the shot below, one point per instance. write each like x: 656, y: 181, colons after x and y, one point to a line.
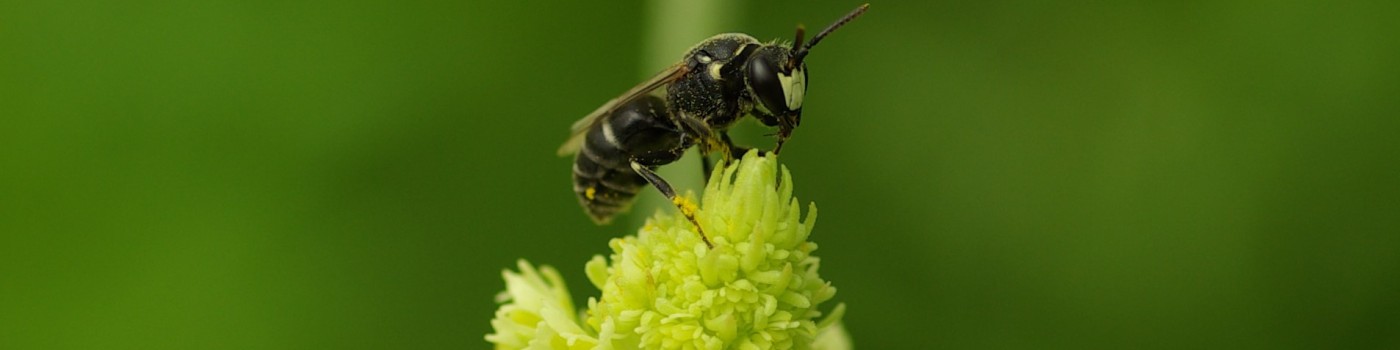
x: 640, y: 131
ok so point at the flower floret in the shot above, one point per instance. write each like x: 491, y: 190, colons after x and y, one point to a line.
x: 756, y: 288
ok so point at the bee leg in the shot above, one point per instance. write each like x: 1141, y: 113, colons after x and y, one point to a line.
x: 708, y: 140
x: 783, y: 134
x: 732, y: 152
x: 687, y: 207
x: 784, y: 131
x: 735, y: 151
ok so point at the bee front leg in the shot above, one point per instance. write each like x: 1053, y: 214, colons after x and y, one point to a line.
x: 688, y: 208
x: 707, y: 139
x: 734, y: 152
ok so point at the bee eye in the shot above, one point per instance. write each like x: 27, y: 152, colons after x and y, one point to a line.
x: 764, y: 83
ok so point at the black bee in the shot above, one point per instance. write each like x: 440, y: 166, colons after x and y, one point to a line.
x: 723, y: 78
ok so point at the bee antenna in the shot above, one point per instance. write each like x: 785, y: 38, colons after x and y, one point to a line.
x: 796, y: 43
x: 799, y: 53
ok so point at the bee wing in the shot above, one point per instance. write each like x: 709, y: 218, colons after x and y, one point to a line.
x: 580, y: 127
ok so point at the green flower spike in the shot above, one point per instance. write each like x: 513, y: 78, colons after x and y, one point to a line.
x: 757, y: 288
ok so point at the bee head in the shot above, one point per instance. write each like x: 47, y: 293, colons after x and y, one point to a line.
x: 777, y: 84
x: 776, y: 77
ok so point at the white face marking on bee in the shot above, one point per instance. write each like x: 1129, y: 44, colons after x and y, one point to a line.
x: 794, y: 87
x: 704, y: 59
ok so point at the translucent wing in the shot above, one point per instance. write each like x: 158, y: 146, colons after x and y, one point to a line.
x: 580, y: 127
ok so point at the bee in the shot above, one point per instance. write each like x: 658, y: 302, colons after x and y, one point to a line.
x: 618, y: 147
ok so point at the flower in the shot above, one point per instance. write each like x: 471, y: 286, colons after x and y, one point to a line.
x: 757, y: 288
x: 537, y: 313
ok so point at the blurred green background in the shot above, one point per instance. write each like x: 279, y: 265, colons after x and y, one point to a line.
x: 1019, y: 175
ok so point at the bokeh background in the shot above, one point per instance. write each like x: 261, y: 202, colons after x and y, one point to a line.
x: 997, y: 174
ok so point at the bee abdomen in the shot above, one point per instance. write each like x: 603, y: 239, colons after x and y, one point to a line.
x: 604, y: 191
x: 639, y: 131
